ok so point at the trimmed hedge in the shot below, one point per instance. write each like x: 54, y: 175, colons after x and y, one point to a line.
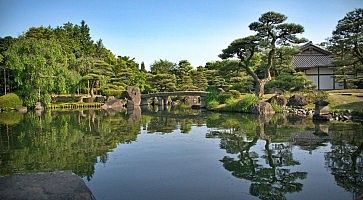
x: 10, y: 101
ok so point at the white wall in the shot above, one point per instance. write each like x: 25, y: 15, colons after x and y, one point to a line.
x: 321, y: 71
x: 313, y: 78
x: 326, y: 82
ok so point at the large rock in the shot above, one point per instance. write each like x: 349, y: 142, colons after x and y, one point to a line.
x: 22, y: 109
x: 114, y: 104
x: 133, y: 96
x: 262, y: 108
x: 278, y: 99
x: 38, y: 106
x: 297, y: 101
x: 52, y: 185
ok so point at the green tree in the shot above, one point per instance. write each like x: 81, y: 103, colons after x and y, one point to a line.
x: 142, y: 67
x: 347, y: 46
x: 162, y: 82
x: 35, y: 63
x: 162, y: 67
x: 7, y: 75
x: 271, y: 32
x: 200, y: 81
x: 98, y: 76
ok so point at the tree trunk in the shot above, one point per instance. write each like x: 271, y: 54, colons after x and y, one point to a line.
x: 4, y: 81
x: 260, y: 88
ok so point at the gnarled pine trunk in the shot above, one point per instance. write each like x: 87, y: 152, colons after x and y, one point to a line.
x: 260, y: 88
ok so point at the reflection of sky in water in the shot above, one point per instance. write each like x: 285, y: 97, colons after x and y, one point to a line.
x: 119, y: 158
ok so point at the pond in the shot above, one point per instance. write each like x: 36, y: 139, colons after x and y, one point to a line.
x: 188, y: 154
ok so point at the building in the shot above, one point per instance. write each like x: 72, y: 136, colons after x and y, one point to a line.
x: 317, y: 64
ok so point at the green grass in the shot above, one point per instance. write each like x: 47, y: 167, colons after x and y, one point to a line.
x: 344, y: 102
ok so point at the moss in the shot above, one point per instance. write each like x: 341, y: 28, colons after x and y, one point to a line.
x: 10, y: 101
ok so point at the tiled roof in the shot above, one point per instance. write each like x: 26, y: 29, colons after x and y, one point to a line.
x: 312, y: 56
x: 308, y: 61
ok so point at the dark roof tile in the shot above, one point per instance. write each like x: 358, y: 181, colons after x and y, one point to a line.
x: 308, y: 61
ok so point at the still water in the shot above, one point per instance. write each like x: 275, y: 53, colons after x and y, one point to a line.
x: 188, y: 154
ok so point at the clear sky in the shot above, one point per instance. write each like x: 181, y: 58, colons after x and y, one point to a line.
x: 196, y: 30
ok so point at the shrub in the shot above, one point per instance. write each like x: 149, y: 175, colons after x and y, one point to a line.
x: 212, y: 104
x: 242, y: 83
x: 10, y: 101
x: 290, y: 82
x: 277, y: 108
x: 231, y: 103
x: 313, y: 96
x: 224, y: 96
x: 245, y: 104
x: 213, y: 94
x: 236, y: 94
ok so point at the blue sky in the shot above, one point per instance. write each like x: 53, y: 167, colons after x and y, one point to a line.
x: 196, y: 30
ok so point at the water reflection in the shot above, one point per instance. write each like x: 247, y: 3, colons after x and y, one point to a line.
x: 268, y: 171
x: 259, y: 150
x: 63, y: 141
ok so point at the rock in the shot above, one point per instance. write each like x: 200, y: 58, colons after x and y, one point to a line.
x: 297, y: 101
x: 262, y: 108
x: 109, y: 98
x: 196, y: 106
x: 113, y: 104
x: 323, y: 117
x: 321, y: 103
x: 100, y: 99
x: 22, y: 109
x: 38, y: 106
x: 51, y: 185
x: 277, y: 91
x: 278, y: 99
x: 346, y: 117
x: 133, y: 96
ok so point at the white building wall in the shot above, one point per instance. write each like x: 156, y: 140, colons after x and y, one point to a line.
x: 326, y: 82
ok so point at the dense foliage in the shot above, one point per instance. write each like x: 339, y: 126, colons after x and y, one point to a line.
x: 10, y: 101
x: 346, y: 44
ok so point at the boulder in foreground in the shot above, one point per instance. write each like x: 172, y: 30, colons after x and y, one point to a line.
x: 50, y: 185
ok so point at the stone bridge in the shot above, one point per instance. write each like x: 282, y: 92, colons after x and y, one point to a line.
x: 163, y: 97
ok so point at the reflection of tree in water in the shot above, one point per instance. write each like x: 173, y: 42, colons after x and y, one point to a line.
x: 63, y: 141
x: 345, y: 160
x: 167, y: 121
x: 271, y: 181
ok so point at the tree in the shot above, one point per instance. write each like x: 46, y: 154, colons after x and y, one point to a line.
x: 271, y: 32
x: 162, y: 67
x: 7, y: 74
x: 35, y: 63
x: 98, y: 76
x: 347, y: 46
x: 142, y: 67
x: 199, y: 79
x: 162, y: 82
x: 183, y: 76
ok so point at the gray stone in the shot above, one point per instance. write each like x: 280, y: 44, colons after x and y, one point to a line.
x: 278, y: 99
x: 297, y: 101
x: 39, y: 186
x: 109, y: 98
x: 262, y: 108
x: 133, y: 96
x: 22, y: 109
x: 113, y: 104
x: 38, y: 106
x: 322, y: 117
